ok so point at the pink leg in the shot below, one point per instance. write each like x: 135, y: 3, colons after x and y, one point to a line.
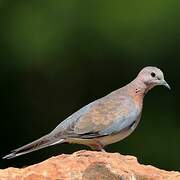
x: 97, y: 147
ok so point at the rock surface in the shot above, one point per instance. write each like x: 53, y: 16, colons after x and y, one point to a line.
x: 89, y: 165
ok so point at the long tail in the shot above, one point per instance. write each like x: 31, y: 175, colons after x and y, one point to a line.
x: 43, y: 142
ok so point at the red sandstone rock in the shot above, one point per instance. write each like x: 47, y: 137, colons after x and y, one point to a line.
x: 89, y: 165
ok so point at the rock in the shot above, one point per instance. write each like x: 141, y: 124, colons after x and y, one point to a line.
x: 89, y: 165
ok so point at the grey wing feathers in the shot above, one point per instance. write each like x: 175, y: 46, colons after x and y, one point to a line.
x: 115, y: 127
x: 68, y: 124
x: 120, y: 125
x: 91, y: 121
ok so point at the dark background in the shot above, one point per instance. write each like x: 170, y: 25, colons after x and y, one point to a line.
x: 57, y: 56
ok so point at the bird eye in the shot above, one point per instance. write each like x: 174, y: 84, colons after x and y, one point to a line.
x: 153, y: 74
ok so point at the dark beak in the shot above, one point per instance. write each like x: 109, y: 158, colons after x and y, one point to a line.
x: 164, y: 83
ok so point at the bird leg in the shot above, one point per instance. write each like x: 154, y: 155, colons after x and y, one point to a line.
x: 97, y: 147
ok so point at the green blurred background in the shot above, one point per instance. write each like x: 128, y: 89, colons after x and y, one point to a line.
x: 57, y: 56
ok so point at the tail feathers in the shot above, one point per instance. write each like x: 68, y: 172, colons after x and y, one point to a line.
x: 43, y: 142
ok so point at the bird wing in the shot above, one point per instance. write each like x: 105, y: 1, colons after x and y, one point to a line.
x: 106, y: 116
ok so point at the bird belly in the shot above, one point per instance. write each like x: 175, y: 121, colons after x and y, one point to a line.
x: 87, y: 142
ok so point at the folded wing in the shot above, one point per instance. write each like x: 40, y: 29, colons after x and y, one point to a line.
x: 106, y: 116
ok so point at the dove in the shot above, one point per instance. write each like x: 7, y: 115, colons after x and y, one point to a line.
x: 104, y: 121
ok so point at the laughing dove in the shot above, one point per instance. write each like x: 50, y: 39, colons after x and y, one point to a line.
x: 104, y: 121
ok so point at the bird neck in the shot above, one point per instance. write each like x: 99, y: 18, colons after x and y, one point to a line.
x: 137, y: 89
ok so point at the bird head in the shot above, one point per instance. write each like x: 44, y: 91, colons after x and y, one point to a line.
x: 151, y: 77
